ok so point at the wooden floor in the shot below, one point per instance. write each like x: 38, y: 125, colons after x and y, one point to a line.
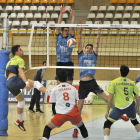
x: 34, y: 123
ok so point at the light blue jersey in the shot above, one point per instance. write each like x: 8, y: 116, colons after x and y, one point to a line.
x: 138, y: 79
x: 87, y: 60
x: 63, y: 52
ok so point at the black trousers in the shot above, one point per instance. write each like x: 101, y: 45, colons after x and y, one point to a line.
x: 35, y: 100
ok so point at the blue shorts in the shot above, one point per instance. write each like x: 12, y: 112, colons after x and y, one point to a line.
x: 14, y: 84
x: 116, y: 113
x: 85, y: 87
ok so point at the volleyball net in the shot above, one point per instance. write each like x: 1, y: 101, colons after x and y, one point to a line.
x: 119, y: 44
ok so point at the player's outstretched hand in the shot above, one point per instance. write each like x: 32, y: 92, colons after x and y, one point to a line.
x: 62, y: 8
x: 106, y: 115
x: 72, y: 12
x: 28, y: 87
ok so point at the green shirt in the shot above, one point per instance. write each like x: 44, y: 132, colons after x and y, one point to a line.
x: 123, y: 90
x: 13, y: 65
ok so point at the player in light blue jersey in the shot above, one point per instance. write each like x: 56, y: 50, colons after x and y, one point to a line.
x: 87, y: 84
x: 63, y: 52
x: 137, y: 79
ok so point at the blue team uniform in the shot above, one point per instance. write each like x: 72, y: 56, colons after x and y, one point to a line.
x: 138, y: 79
x: 87, y: 60
x: 63, y: 52
x: 85, y: 87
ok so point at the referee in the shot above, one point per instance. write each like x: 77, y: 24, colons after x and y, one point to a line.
x: 36, y: 96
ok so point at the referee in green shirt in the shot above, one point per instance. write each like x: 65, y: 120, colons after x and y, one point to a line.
x: 121, y: 90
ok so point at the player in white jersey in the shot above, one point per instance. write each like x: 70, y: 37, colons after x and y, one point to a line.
x: 64, y: 99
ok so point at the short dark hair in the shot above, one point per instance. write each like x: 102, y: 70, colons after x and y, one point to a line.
x: 44, y: 62
x: 62, y: 75
x: 15, y: 49
x: 124, y: 70
x: 64, y: 28
x: 89, y: 45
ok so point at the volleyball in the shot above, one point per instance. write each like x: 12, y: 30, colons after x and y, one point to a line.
x: 71, y: 43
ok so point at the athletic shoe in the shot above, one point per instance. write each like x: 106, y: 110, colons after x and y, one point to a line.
x: 125, y: 118
x: 39, y: 111
x: 31, y: 110
x: 20, y: 125
x: 75, y: 133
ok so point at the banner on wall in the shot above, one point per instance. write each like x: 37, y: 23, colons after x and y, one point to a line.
x: 27, y: 95
x: 91, y: 99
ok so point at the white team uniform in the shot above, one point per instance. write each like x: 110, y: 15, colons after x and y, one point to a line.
x: 65, y: 97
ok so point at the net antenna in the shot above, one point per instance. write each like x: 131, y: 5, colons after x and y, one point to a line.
x: 118, y: 42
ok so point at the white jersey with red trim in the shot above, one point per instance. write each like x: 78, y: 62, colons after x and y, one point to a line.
x: 65, y: 97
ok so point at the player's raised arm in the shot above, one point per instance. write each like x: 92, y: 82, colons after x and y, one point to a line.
x: 62, y: 10
x: 72, y: 22
x: 80, y: 38
x: 98, y: 39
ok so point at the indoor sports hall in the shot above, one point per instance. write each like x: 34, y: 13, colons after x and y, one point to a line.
x: 111, y: 26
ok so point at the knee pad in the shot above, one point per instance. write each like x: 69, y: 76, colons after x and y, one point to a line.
x: 107, y: 124
x: 37, y: 85
x: 46, y: 132
x: 21, y: 104
x: 134, y: 122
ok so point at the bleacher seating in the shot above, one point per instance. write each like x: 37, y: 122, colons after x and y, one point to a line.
x: 20, y: 15
x: 115, y: 22
x: 2, y: 1
x: 33, y: 22
x: 49, y: 8
x: 135, y: 15
x: 19, y: 1
x: 107, y: 22
x: 61, y: 1
x: 24, y: 23
x: 91, y: 15
x: 89, y: 22
x: 126, y: 15
x: 17, y: 8
x: 136, y: 8
x: 37, y: 15
x: 29, y: 15
x: 70, y: 1
x: 122, y: 1
x: 93, y: 8
x: 27, y: 1
x: 137, y: 1
x: 13, y: 15
x: 57, y: 8
x: 113, y: 1
x: 41, y: 8
x: 134, y: 22
x: 9, y: 8
x: 131, y: 1
x: 102, y: 8
x: 128, y: 8
x: 25, y: 8
x: 1, y: 9
x: 65, y: 15
x: 10, y: 1
x: 109, y: 15
x: 52, y: 1
x: 44, y: 15
x: 125, y: 22
x: 111, y: 8
x: 35, y: 1
x: 118, y: 15
x: 3, y: 15
x: 100, y: 15
x: 54, y: 15
x: 15, y: 23
x: 33, y: 8
x: 120, y: 8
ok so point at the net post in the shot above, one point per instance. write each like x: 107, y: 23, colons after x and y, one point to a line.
x: 29, y: 47
x: 48, y: 44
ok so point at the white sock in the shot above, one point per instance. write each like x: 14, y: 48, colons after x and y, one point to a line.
x: 106, y: 137
x: 20, y: 117
x: 86, y: 138
x: 43, y: 138
x: 139, y: 135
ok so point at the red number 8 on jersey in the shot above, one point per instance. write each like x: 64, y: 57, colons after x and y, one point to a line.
x: 66, y: 96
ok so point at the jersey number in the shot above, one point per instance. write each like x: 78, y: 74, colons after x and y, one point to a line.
x: 66, y: 96
x: 126, y: 93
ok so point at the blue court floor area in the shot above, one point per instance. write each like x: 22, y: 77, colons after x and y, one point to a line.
x: 120, y: 130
